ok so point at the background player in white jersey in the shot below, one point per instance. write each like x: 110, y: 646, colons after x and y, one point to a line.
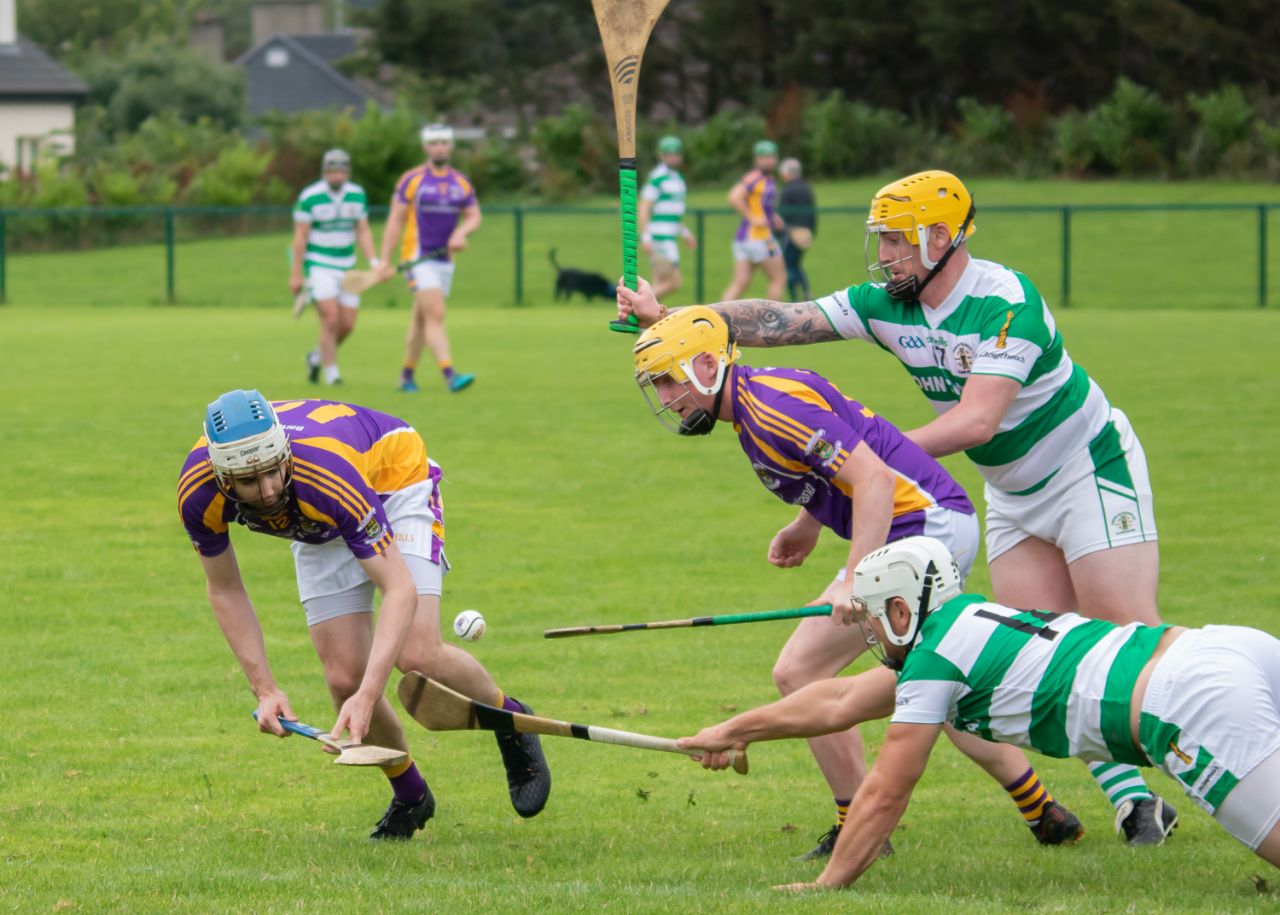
x: 1069, y: 506
x: 329, y: 217
x: 660, y: 217
x: 1203, y: 705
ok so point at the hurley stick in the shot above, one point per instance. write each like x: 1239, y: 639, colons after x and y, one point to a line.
x: 625, y: 26
x: 438, y: 708
x: 722, y: 620
x: 350, y: 753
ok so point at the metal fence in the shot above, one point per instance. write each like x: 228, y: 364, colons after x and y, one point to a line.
x: 1142, y: 255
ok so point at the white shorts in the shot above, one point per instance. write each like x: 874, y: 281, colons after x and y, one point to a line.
x: 756, y: 250
x: 431, y: 275
x: 328, y: 573
x: 1099, y: 499
x: 325, y: 283
x: 1211, y: 718
x: 666, y: 249
x: 955, y: 529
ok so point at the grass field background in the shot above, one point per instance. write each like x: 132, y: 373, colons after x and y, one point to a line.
x: 132, y: 778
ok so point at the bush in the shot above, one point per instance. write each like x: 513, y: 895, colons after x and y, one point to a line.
x: 238, y: 177
x: 719, y: 150
x: 843, y: 137
x: 1133, y: 130
x: 1225, y: 128
x: 576, y: 152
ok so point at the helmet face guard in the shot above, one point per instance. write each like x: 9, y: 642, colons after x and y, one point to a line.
x: 667, y: 350
x: 246, y: 444
x: 919, y: 570
x: 912, y: 206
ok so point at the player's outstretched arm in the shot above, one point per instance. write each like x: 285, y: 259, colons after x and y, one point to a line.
x: 760, y: 322
x: 822, y: 707
x: 880, y: 802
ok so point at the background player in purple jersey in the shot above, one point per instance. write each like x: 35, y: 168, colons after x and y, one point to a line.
x: 355, y: 492
x: 848, y: 470
x: 755, y: 197
x: 435, y: 207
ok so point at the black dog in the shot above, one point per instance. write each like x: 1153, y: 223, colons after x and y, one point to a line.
x: 569, y: 281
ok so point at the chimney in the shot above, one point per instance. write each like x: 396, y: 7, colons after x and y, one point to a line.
x: 8, y: 28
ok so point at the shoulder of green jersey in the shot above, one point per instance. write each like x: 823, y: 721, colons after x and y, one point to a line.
x: 843, y: 315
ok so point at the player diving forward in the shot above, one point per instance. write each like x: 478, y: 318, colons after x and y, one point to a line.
x: 1203, y: 705
x: 848, y: 470
x: 1069, y: 521
x: 355, y: 492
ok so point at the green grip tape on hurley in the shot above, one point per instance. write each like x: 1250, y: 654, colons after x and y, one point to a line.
x: 627, y: 193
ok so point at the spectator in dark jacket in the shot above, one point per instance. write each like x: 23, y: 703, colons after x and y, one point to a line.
x: 798, y: 212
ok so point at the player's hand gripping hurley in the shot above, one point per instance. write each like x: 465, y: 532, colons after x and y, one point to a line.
x: 625, y: 26
x: 350, y: 753
x: 438, y: 708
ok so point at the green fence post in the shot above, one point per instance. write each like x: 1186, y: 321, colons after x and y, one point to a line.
x: 3, y: 292
x: 168, y: 253
x: 1262, y: 256
x: 1066, y: 256
x: 519, y: 229
x: 700, y: 285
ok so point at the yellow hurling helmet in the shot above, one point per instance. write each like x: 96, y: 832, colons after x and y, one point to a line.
x: 669, y: 347
x: 912, y: 204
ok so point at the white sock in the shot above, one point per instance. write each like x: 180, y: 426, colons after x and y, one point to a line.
x: 331, y: 373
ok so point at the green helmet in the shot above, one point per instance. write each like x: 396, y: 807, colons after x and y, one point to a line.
x: 765, y: 148
x: 670, y: 145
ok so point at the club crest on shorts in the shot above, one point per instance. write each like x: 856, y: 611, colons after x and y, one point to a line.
x: 1124, y: 522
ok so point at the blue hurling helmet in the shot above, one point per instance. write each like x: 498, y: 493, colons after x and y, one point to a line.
x: 245, y: 438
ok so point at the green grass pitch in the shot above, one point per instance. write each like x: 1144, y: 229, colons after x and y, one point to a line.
x: 132, y: 778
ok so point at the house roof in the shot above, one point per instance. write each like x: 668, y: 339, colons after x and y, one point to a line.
x: 27, y: 73
x: 306, y: 80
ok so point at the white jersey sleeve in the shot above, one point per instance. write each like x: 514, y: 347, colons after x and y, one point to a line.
x: 843, y: 317
x: 924, y: 701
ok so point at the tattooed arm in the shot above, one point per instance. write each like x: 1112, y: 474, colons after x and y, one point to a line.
x: 760, y: 322
x: 754, y: 322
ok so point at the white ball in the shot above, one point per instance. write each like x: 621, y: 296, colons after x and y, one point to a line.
x: 468, y: 625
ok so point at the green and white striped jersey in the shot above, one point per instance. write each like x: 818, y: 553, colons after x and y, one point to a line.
x: 666, y: 189
x: 1058, y: 684
x: 993, y: 323
x: 333, y: 217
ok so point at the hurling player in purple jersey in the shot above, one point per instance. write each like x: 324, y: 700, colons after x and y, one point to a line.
x: 355, y: 492
x: 848, y: 470
x: 433, y: 210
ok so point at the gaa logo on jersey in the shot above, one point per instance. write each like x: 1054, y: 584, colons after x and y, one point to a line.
x: 962, y: 358
x: 1123, y: 522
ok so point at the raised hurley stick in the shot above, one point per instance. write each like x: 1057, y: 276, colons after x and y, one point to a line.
x: 625, y: 26
x: 722, y: 620
x: 438, y: 708
x: 349, y: 752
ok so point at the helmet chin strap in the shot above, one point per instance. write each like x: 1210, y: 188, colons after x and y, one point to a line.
x: 700, y: 421
x: 922, y: 611
x: 909, y: 289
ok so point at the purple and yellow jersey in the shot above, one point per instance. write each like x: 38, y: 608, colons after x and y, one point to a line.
x: 761, y: 193
x: 798, y: 430
x: 435, y: 198
x: 346, y: 461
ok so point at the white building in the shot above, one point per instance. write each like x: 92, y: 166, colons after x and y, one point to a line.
x: 38, y: 98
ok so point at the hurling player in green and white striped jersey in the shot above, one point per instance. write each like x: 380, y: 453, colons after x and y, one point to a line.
x: 1069, y: 516
x: 328, y: 218
x: 1203, y: 705
x: 661, y: 217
